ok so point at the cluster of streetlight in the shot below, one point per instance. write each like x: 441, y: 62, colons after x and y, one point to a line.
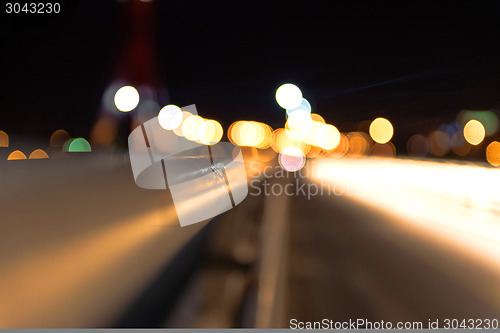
x: 306, y: 134
x: 60, y: 140
x: 465, y: 135
x: 172, y: 118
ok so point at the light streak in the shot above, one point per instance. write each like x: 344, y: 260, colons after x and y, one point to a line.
x: 460, y: 203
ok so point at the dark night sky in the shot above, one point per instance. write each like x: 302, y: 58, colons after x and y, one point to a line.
x: 416, y: 62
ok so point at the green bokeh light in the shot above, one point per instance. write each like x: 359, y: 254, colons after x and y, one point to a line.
x: 77, y: 145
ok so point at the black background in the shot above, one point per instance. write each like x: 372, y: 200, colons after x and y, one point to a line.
x: 416, y: 62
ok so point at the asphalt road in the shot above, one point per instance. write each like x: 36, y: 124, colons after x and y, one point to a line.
x: 346, y: 261
x: 79, y: 241
x: 80, y: 244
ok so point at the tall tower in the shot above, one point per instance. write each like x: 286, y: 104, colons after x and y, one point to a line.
x: 138, y: 69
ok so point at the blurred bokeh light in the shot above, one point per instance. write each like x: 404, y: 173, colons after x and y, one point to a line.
x: 440, y: 143
x: 191, y: 127
x: 288, y: 96
x: 4, y: 139
x: 292, y: 159
x: 488, y: 118
x: 38, y: 154
x: 381, y: 130
x: 250, y: 134
x: 474, y: 132
x: 170, y: 117
x: 211, y: 132
x: 304, y: 105
x: 77, y: 145
x: 359, y: 144
x: 126, y: 98
x: 58, y: 138
x: 418, y: 146
x: 16, y: 155
x: 328, y: 137
x: 493, y: 153
x: 104, y: 131
x: 458, y: 144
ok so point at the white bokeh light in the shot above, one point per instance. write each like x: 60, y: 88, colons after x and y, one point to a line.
x: 299, y: 124
x: 292, y: 159
x: 126, y: 98
x: 289, y: 96
x: 304, y: 105
x: 170, y: 117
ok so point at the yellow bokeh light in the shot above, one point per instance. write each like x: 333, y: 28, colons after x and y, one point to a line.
x: 250, y: 134
x: 298, y: 124
x: 264, y: 140
x: 278, y: 136
x: 38, y: 154
x: 191, y: 127
x: 210, y: 132
x: 281, y: 140
x: 318, y: 118
x: 313, y: 151
x: 493, y: 153
x: 328, y: 137
x: 4, y: 139
x: 16, y: 155
x: 178, y: 129
x: 474, y: 132
x: 231, y: 131
x: 311, y: 137
x: 359, y: 144
x: 308, y: 128
x: 342, y: 148
x: 381, y: 130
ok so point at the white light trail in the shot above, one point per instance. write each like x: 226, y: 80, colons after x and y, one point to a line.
x: 458, y: 202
